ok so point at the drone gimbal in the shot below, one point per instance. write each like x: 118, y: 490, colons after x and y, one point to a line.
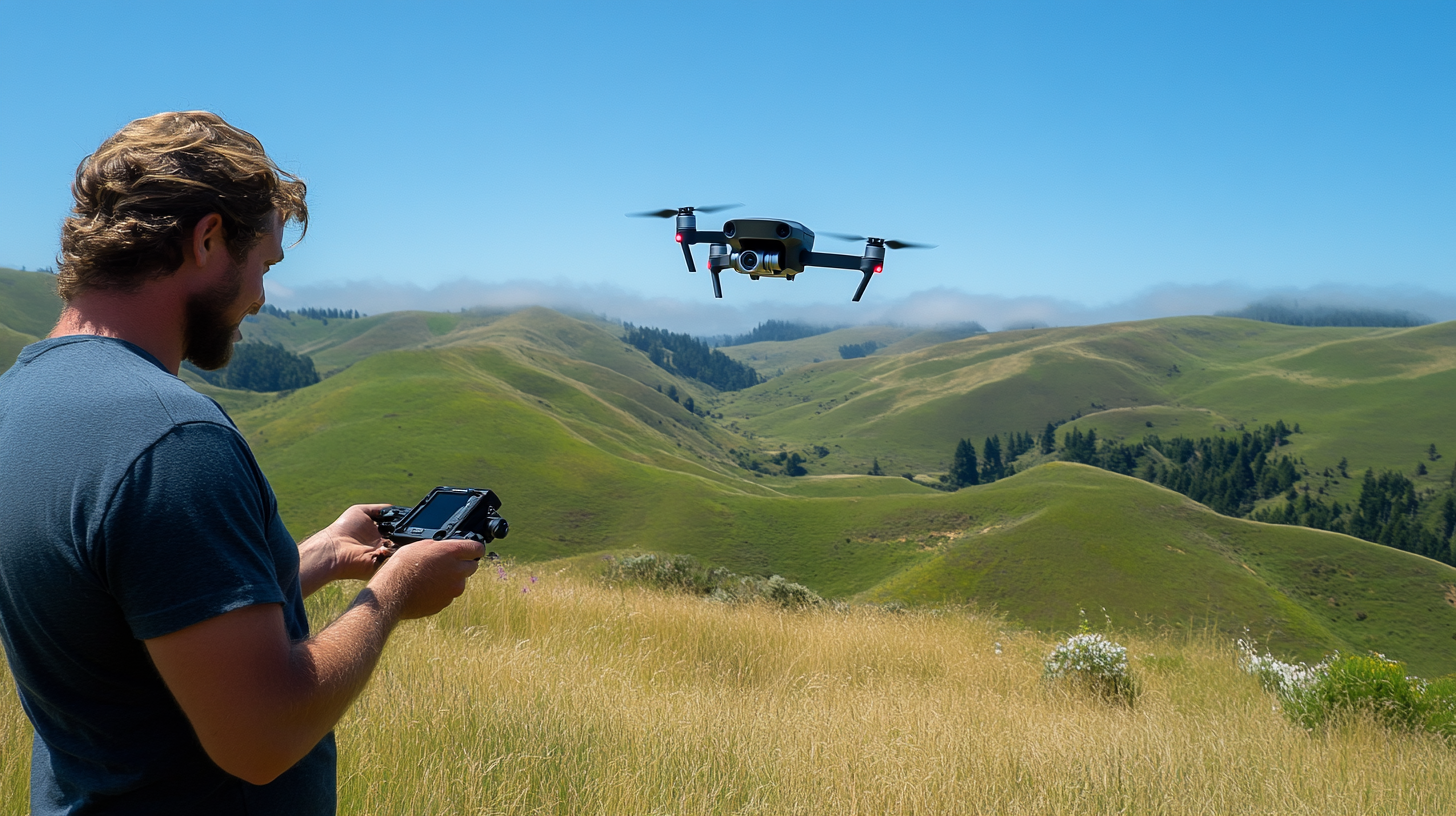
x: 765, y: 247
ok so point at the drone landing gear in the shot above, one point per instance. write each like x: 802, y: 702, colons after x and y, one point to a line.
x: 717, y: 285
x: 688, y: 255
x: 869, y: 273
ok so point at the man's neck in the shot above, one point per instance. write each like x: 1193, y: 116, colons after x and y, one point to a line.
x: 151, y: 318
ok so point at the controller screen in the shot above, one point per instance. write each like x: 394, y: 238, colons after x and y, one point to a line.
x: 434, y: 515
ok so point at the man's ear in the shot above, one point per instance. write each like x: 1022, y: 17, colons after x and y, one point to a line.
x: 208, y: 240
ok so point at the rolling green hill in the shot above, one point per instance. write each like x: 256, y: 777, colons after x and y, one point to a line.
x: 574, y: 429
x: 589, y: 460
x: 28, y: 309
x: 1379, y: 397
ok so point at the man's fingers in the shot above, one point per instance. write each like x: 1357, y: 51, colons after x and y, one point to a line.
x: 370, y: 510
x: 465, y: 549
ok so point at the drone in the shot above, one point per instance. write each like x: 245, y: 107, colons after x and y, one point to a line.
x: 771, y: 247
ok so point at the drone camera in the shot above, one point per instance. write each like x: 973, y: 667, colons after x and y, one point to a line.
x: 757, y: 262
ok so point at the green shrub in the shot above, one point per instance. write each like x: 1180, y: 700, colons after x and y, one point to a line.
x: 675, y: 572
x: 1342, y: 686
x: 683, y: 573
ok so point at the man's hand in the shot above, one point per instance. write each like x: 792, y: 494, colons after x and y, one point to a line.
x: 351, y: 547
x: 423, y: 578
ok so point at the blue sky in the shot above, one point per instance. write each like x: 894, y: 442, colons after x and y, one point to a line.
x: 1074, y: 161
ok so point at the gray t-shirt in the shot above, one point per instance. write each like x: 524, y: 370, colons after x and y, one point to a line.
x: 131, y: 507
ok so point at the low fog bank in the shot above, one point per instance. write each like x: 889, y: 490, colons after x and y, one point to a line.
x: 929, y: 307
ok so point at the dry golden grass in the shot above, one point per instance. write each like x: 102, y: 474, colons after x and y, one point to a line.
x: 578, y: 698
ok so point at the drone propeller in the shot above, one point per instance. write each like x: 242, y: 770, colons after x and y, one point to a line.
x: 888, y: 244
x: 679, y: 210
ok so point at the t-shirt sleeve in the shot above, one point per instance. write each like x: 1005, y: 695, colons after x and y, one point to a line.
x: 184, y: 538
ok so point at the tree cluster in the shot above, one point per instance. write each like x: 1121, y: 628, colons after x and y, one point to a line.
x: 994, y: 461
x: 324, y: 315
x: 855, y: 350
x: 775, y: 330
x: 781, y: 463
x: 1390, y: 512
x: 690, y: 357
x: 1292, y: 314
x: 1231, y: 475
x: 1228, y: 475
x: 261, y: 367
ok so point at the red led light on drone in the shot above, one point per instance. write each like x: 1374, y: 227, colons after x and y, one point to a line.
x: 879, y: 269
x: 678, y: 237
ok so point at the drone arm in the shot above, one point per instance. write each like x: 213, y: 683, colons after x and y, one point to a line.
x: 702, y: 237
x: 864, y: 264
x: 831, y: 260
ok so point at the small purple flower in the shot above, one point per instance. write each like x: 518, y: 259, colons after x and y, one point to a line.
x: 533, y: 579
x: 524, y: 590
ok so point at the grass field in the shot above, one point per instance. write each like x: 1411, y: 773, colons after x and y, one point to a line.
x: 563, y: 695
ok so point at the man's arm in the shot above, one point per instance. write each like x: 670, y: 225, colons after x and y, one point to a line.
x: 259, y: 702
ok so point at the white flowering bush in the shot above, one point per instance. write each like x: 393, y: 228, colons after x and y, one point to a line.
x: 1091, y: 661
x: 1284, y: 679
x: 1341, y: 685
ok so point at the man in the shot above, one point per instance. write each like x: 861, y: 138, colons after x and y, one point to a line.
x: 151, y: 600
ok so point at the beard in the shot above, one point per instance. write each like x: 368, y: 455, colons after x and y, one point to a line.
x: 208, y: 336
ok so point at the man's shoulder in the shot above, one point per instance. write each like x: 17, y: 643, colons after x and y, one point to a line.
x: 83, y: 375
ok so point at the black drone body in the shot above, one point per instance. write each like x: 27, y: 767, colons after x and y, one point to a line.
x: 771, y: 248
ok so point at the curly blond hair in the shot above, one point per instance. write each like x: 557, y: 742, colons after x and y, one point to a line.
x: 140, y: 194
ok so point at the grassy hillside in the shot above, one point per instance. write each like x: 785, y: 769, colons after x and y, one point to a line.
x: 1376, y: 396
x: 28, y: 309
x: 772, y: 357
x: 28, y: 302
x: 589, y: 459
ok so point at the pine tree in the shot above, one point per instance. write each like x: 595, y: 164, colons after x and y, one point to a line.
x: 992, y: 468
x: 963, y: 468
x: 1049, y: 439
x: 875, y: 468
